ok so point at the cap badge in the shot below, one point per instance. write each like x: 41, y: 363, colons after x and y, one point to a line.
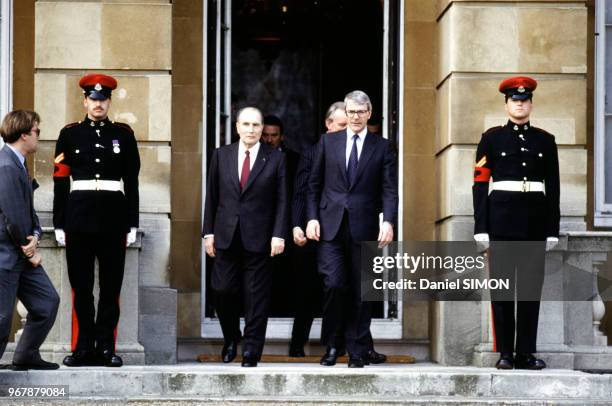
x: 98, y: 87
x: 521, y: 89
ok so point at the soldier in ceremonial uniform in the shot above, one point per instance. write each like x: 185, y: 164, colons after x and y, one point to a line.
x: 520, y: 204
x: 95, y: 218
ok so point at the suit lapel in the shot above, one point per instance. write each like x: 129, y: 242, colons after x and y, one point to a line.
x: 340, y: 150
x: 367, y: 150
x: 232, y: 166
x: 260, y: 162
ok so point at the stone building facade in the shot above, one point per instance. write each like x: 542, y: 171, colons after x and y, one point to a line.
x: 449, y: 57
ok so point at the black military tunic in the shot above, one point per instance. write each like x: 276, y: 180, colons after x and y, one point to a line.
x: 95, y: 221
x: 523, y: 154
x: 91, y: 150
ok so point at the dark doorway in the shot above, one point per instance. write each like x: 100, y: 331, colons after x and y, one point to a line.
x: 292, y: 59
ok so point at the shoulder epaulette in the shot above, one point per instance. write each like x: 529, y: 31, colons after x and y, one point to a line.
x: 492, y: 129
x: 543, y: 131
x: 72, y: 124
x: 124, y: 126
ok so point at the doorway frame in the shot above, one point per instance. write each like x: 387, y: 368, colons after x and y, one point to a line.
x: 6, y: 58
x: 280, y: 327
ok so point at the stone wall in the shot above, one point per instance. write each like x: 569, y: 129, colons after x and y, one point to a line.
x: 479, y: 44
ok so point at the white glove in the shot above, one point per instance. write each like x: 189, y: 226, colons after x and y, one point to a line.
x: 482, y: 241
x: 60, y: 237
x: 551, y: 242
x: 131, y: 237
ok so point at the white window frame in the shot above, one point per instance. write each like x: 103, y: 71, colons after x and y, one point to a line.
x: 280, y: 328
x: 603, y: 210
x: 6, y: 58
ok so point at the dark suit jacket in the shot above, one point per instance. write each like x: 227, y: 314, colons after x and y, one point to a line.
x: 373, y: 191
x: 260, y: 209
x: 16, y: 205
x: 300, y: 188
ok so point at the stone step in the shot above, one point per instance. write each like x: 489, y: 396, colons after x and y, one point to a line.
x: 417, y: 384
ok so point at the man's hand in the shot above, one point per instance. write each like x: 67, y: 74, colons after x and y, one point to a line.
x: 482, y: 241
x: 60, y: 237
x: 385, y: 235
x: 551, y: 242
x: 209, y: 244
x: 277, y: 246
x: 131, y: 237
x: 313, y: 230
x: 30, y: 249
x: 298, y: 237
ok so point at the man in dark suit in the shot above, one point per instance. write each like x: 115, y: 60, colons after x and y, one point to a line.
x: 521, y: 204
x: 353, y: 179
x: 21, y: 275
x: 245, y: 223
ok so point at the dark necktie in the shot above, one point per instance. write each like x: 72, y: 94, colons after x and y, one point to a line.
x: 351, y: 169
x: 246, y: 170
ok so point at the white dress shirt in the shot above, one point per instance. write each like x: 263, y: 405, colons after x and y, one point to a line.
x: 349, y: 142
x: 242, y: 156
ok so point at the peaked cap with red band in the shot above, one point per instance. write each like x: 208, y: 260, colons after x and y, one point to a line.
x: 97, y: 86
x: 518, y: 87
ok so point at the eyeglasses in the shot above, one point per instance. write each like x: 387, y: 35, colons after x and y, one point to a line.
x: 360, y: 113
x: 35, y: 131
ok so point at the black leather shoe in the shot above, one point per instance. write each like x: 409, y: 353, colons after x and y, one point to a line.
x: 110, y: 359
x: 82, y: 358
x: 528, y: 361
x: 355, y: 362
x: 373, y: 357
x: 229, y: 352
x: 297, y: 352
x: 39, y: 364
x: 249, y: 360
x: 330, y: 357
x: 505, y: 361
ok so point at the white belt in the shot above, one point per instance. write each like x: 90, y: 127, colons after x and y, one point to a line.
x: 518, y: 186
x: 95, y: 184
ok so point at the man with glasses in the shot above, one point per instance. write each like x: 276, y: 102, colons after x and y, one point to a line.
x: 353, y: 179
x: 21, y: 275
x: 96, y: 217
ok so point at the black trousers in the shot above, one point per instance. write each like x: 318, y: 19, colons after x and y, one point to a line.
x: 522, y: 263
x: 307, y: 292
x: 339, y: 263
x: 242, y: 277
x: 82, y: 249
x: 34, y: 289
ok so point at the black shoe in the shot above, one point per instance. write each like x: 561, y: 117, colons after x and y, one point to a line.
x: 528, y: 361
x: 249, y: 360
x: 373, y: 357
x: 229, y: 352
x: 39, y: 364
x: 110, y: 359
x: 505, y: 361
x: 330, y: 357
x: 296, y: 352
x: 82, y: 358
x: 356, y: 362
